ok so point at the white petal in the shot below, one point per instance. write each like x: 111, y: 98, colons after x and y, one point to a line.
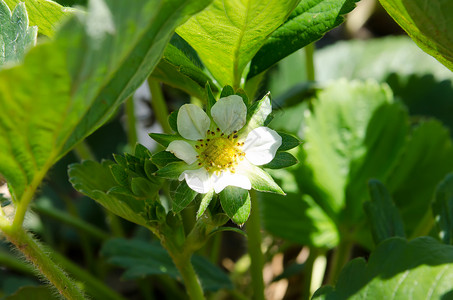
x: 192, y: 122
x: 183, y: 150
x: 198, y: 180
x: 228, y: 179
x: 229, y: 113
x: 261, y: 145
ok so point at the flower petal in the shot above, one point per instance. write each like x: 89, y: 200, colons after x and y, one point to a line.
x: 229, y: 179
x: 183, y: 150
x: 229, y: 113
x: 192, y: 122
x: 198, y: 180
x: 261, y: 145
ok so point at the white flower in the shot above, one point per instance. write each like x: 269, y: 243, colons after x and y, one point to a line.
x: 225, y: 148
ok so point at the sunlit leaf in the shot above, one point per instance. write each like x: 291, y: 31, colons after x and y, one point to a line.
x: 228, y: 34
x: 397, y: 269
x: 15, y: 37
x: 428, y: 24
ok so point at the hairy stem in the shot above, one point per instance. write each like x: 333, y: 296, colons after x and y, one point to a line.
x: 40, y: 258
x: 254, y: 248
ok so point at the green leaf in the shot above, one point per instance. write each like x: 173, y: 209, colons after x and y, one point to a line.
x: 96, y: 181
x: 69, y: 87
x: 443, y: 209
x: 141, y: 259
x: 136, y: 199
x: 44, y: 14
x: 337, y: 139
x: 211, y: 100
x: 228, y: 34
x: 281, y: 160
x: 15, y: 37
x: 397, y: 269
x: 428, y: 25
x: 163, y: 158
x: 298, y: 219
x: 427, y: 159
x: 142, y: 152
x: 288, y: 141
x: 182, y: 196
x: 236, y: 203
x: 382, y: 213
x: 307, y: 23
x: 164, y: 139
x: 120, y: 175
x: 205, y: 203
x: 178, y: 70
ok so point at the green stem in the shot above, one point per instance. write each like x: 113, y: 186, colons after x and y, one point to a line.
x: 340, y: 257
x: 308, y: 272
x: 40, y: 258
x: 309, y: 62
x: 68, y: 219
x: 254, y: 248
x: 159, y: 105
x: 189, y: 277
x: 83, y: 151
x: 131, y: 120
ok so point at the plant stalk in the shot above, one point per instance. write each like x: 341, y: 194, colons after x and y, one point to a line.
x: 309, y: 62
x: 40, y: 258
x: 189, y: 277
x: 159, y: 106
x: 340, y: 257
x: 254, y: 248
x: 131, y: 120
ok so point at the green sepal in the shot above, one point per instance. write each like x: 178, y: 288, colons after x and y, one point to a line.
x: 120, y: 176
x: 150, y: 168
x: 121, y: 160
x: 164, y: 139
x: 281, y: 160
x: 135, y: 164
x: 205, y: 203
x: 173, y: 120
x: 288, y: 141
x: 234, y: 229
x: 182, y: 196
x: 227, y: 91
x: 262, y: 181
x: 236, y: 204
x: 174, y: 170
x: 241, y: 93
x: 142, y: 187
x: 210, y: 99
x: 258, y: 113
x: 141, y: 151
x: 163, y: 158
x: 382, y: 213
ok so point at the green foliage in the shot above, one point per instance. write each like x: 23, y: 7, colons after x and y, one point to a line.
x: 126, y: 189
x: 45, y: 14
x: 429, y: 25
x: 397, y: 269
x: 382, y: 213
x: 228, y: 34
x: 141, y: 259
x: 16, y: 37
x: 442, y: 207
x: 281, y: 160
x: 306, y: 24
x: 48, y: 104
x: 33, y: 292
x: 182, y: 196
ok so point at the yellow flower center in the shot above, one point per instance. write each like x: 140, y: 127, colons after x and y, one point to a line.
x: 219, y: 152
